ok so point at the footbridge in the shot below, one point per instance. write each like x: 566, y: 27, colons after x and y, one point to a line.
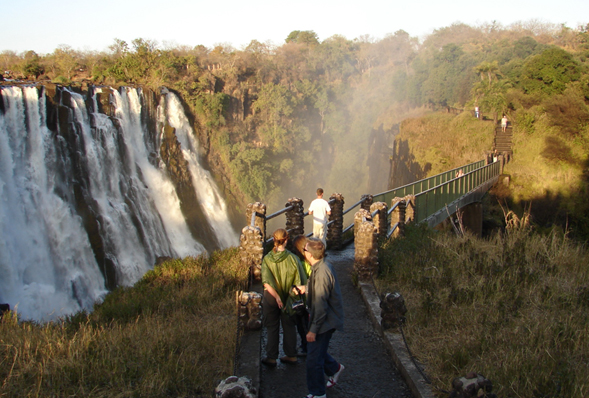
x: 431, y: 200
x: 369, y: 372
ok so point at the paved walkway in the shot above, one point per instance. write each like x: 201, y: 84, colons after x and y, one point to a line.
x: 370, y: 371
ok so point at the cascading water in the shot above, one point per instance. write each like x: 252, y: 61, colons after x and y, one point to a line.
x: 213, y: 205
x: 90, y: 205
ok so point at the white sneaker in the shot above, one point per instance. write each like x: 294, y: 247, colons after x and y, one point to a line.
x: 316, y: 396
x: 332, y: 380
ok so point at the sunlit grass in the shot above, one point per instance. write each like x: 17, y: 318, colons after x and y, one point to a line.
x: 513, y: 308
x: 446, y: 141
x: 172, y: 334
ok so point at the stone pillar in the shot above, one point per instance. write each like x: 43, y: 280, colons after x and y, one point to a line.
x: 251, y: 241
x: 501, y: 160
x: 251, y: 250
x: 366, y: 201
x: 393, y: 310
x: 410, y: 210
x: 250, y: 310
x: 360, y: 216
x: 335, y: 229
x: 380, y: 219
x: 366, y: 251
x: 295, y: 217
x: 398, y: 216
x: 260, y: 219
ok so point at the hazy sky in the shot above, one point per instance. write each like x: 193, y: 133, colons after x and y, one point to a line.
x: 43, y: 25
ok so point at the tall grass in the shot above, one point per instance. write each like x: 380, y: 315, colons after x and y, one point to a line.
x: 172, y: 334
x: 514, y: 308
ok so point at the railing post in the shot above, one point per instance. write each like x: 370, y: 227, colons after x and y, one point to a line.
x: 410, y: 209
x: 295, y: 217
x: 336, y: 219
x: 398, y: 216
x: 251, y: 250
x: 380, y: 219
x: 501, y: 160
x: 260, y: 216
x: 253, y: 236
x: 366, y: 201
x: 360, y: 216
x: 366, y: 251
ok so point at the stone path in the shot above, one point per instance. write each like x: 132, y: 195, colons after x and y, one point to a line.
x: 370, y: 371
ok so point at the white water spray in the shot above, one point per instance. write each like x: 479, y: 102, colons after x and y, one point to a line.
x: 47, y: 266
x: 207, y: 191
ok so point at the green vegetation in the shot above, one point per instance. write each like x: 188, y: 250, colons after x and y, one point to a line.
x: 172, y: 334
x: 513, y: 308
x: 277, y: 120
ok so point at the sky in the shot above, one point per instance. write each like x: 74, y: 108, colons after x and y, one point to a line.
x: 44, y: 25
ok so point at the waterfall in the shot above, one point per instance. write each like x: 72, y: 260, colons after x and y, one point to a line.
x: 207, y: 192
x: 85, y: 202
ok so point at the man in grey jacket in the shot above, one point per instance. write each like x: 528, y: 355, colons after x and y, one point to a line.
x: 326, y: 315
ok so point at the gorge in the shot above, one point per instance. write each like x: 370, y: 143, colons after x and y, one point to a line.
x: 95, y: 185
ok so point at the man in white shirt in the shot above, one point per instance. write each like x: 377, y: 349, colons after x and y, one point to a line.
x: 320, y: 209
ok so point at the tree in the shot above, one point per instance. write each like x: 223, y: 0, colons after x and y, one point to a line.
x: 275, y: 105
x: 119, y: 48
x: 66, y: 59
x: 490, y: 92
x: 307, y: 37
x: 550, y: 72
x: 31, y: 65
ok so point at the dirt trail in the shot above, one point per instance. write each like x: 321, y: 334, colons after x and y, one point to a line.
x: 369, y: 372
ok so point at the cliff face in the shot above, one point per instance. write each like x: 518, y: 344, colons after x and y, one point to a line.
x: 75, y: 177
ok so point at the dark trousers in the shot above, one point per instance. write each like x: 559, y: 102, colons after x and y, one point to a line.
x: 273, y: 317
x: 302, y: 322
x: 319, y: 363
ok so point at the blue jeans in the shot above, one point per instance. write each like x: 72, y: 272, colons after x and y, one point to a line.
x: 319, y: 363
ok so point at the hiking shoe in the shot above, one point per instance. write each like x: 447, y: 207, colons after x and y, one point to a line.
x: 269, y: 362
x: 332, y: 380
x: 316, y: 396
x: 289, y: 360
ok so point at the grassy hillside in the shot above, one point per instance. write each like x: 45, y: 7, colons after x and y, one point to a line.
x: 445, y: 141
x: 172, y: 334
x: 513, y: 308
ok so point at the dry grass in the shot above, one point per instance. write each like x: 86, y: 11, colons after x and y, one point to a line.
x: 446, y: 141
x: 513, y: 308
x: 172, y: 334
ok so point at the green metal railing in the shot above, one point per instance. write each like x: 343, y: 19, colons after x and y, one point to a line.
x: 434, y: 193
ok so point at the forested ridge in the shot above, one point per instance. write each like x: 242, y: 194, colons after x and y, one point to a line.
x: 278, y: 121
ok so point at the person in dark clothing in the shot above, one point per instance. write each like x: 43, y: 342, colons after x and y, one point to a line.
x: 326, y: 315
x: 302, y: 320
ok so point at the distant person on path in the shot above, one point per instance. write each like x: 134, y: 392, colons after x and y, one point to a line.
x: 302, y: 321
x: 504, y: 123
x: 326, y: 315
x: 320, y: 209
x: 281, y: 269
x: 476, y: 111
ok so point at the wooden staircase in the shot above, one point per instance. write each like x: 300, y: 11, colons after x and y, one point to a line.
x: 503, y: 140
